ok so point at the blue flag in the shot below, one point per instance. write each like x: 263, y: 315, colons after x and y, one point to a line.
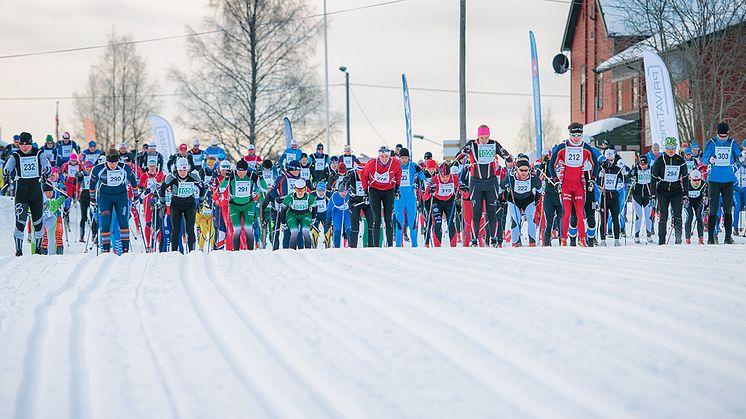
x: 407, y: 113
x: 537, y: 94
x: 288, y: 131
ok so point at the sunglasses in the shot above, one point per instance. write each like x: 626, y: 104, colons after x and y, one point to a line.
x: 576, y: 135
x: 523, y: 170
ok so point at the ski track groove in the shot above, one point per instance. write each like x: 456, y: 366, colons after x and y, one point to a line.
x: 149, y: 343
x: 36, y: 345
x: 264, y: 397
x: 585, y: 306
x: 517, y: 398
x: 665, y: 321
x: 301, y: 370
x: 605, y: 359
x: 80, y: 402
x: 530, y: 368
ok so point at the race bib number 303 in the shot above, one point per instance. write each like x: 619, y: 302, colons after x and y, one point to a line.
x: 722, y: 156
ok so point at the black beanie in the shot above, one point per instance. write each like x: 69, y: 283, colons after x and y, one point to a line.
x: 25, y: 138
x: 242, y: 165
x: 723, y: 128
x: 403, y: 152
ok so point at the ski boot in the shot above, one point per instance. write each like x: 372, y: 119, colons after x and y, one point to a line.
x: 531, y: 244
x: 650, y: 237
x: 517, y: 245
x: 717, y: 240
x: 617, y: 243
x: 563, y: 242
x: 602, y: 243
x: 688, y: 241
x: 573, y: 241
x: 582, y: 242
x: 637, y: 238
x: 473, y: 243
x: 729, y: 240
x: 678, y: 240
x: 493, y: 242
x: 701, y: 240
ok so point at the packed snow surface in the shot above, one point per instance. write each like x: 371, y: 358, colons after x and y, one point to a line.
x: 636, y: 331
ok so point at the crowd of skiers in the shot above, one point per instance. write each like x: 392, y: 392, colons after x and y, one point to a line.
x: 483, y: 196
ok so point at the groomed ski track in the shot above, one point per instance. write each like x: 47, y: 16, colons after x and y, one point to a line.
x: 637, y: 331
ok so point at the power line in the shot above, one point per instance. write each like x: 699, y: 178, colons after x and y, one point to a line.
x: 439, y: 90
x: 362, y: 110
x: 189, y: 35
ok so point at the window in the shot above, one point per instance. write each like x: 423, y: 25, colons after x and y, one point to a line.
x: 618, y: 96
x: 635, y: 92
x: 582, y: 88
x: 600, y: 91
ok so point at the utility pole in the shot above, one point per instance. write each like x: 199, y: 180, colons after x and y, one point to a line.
x: 462, y: 75
x: 347, y: 90
x: 326, y: 79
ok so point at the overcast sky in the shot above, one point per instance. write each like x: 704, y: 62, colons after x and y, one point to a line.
x: 416, y: 37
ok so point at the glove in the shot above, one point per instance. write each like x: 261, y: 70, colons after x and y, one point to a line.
x: 686, y: 201
x: 397, y: 194
x: 559, y: 186
x: 94, y: 206
x: 591, y: 186
x: 278, y: 200
x: 463, y: 187
x: 431, y: 188
x: 229, y: 174
x: 712, y: 159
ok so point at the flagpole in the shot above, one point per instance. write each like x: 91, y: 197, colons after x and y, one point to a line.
x: 57, y: 121
x: 326, y: 78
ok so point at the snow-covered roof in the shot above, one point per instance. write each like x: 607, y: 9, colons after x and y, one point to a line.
x: 629, y: 55
x: 604, y: 125
x: 613, y: 14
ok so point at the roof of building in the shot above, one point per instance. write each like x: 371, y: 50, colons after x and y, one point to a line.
x: 613, y: 17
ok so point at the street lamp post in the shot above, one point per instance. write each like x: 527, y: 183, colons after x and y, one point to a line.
x: 326, y: 80
x: 347, y: 90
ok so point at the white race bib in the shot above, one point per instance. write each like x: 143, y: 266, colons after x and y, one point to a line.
x: 269, y: 177
x: 742, y: 178
x: 359, y: 188
x: 91, y: 158
x: 695, y: 193
x: 381, y: 177
x: 152, y: 160
x: 573, y: 156
x: 722, y: 156
x: 321, y: 204
x: 319, y: 165
x: 86, y: 181
x: 29, y: 167
x: 610, y: 181
x: 115, y: 177
x: 197, y: 159
x: 49, y: 154
x: 72, y: 170
x: 445, y: 189
x: 405, y: 178
x: 289, y: 157
x: 185, y: 189
x: 486, y: 153
x: 208, y: 179
x: 643, y: 177
x: 690, y: 165
x: 67, y: 150
x: 252, y: 164
x: 305, y: 173
x: 151, y: 183
x: 522, y: 186
x: 347, y: 161
x: 671, y: 173
x: 299, y: 204
x: 243, y: 188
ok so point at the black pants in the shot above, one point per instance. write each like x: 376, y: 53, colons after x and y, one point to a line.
x: 501, y: 216
x: 552, y: 214
x: 717, y: 190
x: 355, y: 224
x: 443, y: 210
x: 188, y: 212
x: 694, y: 211
x: 85, y: 203
x: 666, y: 200
x: 610, y: 206
x: 481, y: 192
x: 28, y: 197
x: 380, y: 198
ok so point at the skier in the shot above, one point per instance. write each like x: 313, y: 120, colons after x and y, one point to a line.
x: 350, y: 160
x: 197, y: 155
x: 359, y: 203
x: 84, y: 194
x: 653, y: 154
x: 573, y: 155
x: 320, y: 220
x: 242, y: 190
x: 52, y: 221
x: 65, y: 148
x: 338, y: 213
x: 292, y: 153
x: 108, y: 190
x: 300, y: 208
x: 405, y: 206
x: 668, y: 172
x: 721, y: 153
x: 740, y: 190
x: 552, y: 201
x: 182, y: 154
x: 150, y: 182
x: 319, y: 164
x: 214, y: 150
x: 642, y: 198
x: 269, y: 172
x: 252, y: 158
x: 695, y: 194
x: 283, y: 186
x: 124, y: 155
x: 50, y: 151
x: 151, y: 156
x: 442, y: 194
x: 483, y: 181
x: 305, y: 168
x: 92, y: 153
x: 381, y: 178
x: 612, y: 181
x: 522, y: 190
x: 185, y: 185
x: 222, y: 211
x: 27, y: 167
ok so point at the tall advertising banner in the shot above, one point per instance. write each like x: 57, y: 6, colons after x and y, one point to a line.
x: 288, y: 131
x: 407, y: 113
x: 537, y: 94
x: 163, y: 136
x: 661, y: 109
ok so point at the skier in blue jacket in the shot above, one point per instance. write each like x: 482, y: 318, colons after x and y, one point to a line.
x: 338, y: 214
x: 740, y: 187
x: 108, y: 190
x: 405, y: 206
x: 721, y: 153
x: 291, y: 153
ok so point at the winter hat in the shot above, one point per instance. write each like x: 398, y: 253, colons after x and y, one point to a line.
x: 214, y: 141
x: 695, y: 145
x: 695, y: 175
x: 195, y: 142
x: 47, y: 187
x: 225, y: 165
x: 49, y: 138
x: 431, y: 164
x: 670, y: 143
x: 319, y: 146
x: 73, y: 156
x: 403, y: 152
x: 321, y: 186
x: 303, y: 155
x: 384, y: 149
x: 300, y: 184
x: 251, y: 147
x: 333, y: 159
x: 65, y: 135
x: 342, y: 168
x: 242, y: 165
x: 122, y: 145
x: 483, y: 130
x: 183, y: 147
x: 25, y: 138
x: 293, y: 142
x: 575, y: 128
x: 428, y: 155
x: 294, y: 165
x: 723, y: 128
x: 609, y: 154
x: 267, y: 164
x: 644, y: 159
x: 182, y: 164
x: 688, y: 151
x: 91, y: 144
x: 151, y: 145
x: 444, y: 169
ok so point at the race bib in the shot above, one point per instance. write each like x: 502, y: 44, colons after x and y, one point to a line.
x: 574, y: 156
x: 291, y: 184
x: 151, y: 183
x: 243, y: 188
x: 381, y: 177
x: 445, y: 189
x: 610, y: 181
x: 319, y: 165
x: 49, y: 154
x: 207, y: 212
x: 152, y: 160
x: 252, y: 164
x: 86, y: 181
x: 405, y: 178
x: 522, y: 186
x: 29, y: 167
x: 115, y: 177
x: 486, y: 153
x: 321, y: 205
x: 689, y: 165
x: 348, y: 161
x: 299, y: 204
x: 722, y: 156
x: 289, y: 157
x: 67, y: 150
x: 305, y: 173
x: 208, y: 179
x: 185, y: 189
x: 91, y: 158
x: 359, y: 188
x: 72, y: 170
x: 671, y: 173
x: 269, y: 177
x: 643, y: 177
x: 695, y: 193
x: 743, y: 178
x: 197, y: 159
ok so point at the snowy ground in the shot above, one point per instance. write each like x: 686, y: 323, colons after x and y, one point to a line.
x: 638, y: 331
